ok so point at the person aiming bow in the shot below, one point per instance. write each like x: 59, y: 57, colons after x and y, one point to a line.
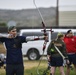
x: 13, y: 44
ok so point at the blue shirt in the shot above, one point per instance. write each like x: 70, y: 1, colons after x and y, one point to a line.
x: 13, y: 47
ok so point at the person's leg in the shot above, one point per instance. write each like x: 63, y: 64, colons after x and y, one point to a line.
x: 74, y: 61
x: 61, y: 68
x: 20, y: 69
x: 68, y: 70
x: 59, y: 63
x: 9, y: 70
x: 52, y: 70
x: 53, y: 64
x: 70, y: 57
x: 75, y: 68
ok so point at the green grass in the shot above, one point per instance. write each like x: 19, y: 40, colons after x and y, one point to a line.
x: 30, y: 68
x: 33, y: 71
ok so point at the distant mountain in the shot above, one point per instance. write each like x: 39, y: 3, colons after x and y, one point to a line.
x: 29, y: 17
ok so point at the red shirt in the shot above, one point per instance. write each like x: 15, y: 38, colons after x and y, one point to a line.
x: 70, y: 43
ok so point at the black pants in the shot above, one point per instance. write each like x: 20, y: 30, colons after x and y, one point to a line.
x: 17, y: 69
x: 1, y: 63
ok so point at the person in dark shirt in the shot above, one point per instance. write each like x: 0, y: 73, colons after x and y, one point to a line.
x: 55, y: 59
x: 13, y: 44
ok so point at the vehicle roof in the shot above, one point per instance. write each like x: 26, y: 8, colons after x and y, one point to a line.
x: 39, y: 30
x: 63, y: 30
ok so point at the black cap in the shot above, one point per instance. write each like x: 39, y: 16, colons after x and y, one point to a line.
x: 69, y: 31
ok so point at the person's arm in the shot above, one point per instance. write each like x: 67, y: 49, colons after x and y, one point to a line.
x: 38, y: 38
x: 49, y: 52
x: 66, y: 56
x: 4, y: 35
x: 64, y: 50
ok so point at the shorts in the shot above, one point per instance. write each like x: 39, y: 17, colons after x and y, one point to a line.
x: 72, y: 58
x: 56, y: 61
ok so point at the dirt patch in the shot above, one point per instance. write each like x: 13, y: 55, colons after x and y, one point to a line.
x: 2, y: 49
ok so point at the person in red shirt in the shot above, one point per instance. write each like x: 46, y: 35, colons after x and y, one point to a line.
x: 70, y: 42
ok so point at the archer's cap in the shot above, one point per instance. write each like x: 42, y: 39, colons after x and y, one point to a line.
x: 60, y: 35
x: 11, y: 28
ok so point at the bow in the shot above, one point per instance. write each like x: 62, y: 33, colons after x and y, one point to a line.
x: 45, y: 33
x: 44, y: 27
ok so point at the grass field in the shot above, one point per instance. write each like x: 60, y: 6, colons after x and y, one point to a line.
x: 30, y: 68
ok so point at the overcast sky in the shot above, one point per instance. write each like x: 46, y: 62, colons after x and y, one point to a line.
x: 25, y: 4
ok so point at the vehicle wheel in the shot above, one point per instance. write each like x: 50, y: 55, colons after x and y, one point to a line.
x: 33, y: 54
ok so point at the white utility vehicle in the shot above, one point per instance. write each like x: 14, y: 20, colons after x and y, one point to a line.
x: 33, y: 49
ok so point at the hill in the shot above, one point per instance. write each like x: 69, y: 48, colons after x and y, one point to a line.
x: 29, y: 17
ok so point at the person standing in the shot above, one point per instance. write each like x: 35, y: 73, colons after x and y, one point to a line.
x: 54, y: 57
x: 2, y: 58
x: 70, y: 42
x: 13, y: 44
